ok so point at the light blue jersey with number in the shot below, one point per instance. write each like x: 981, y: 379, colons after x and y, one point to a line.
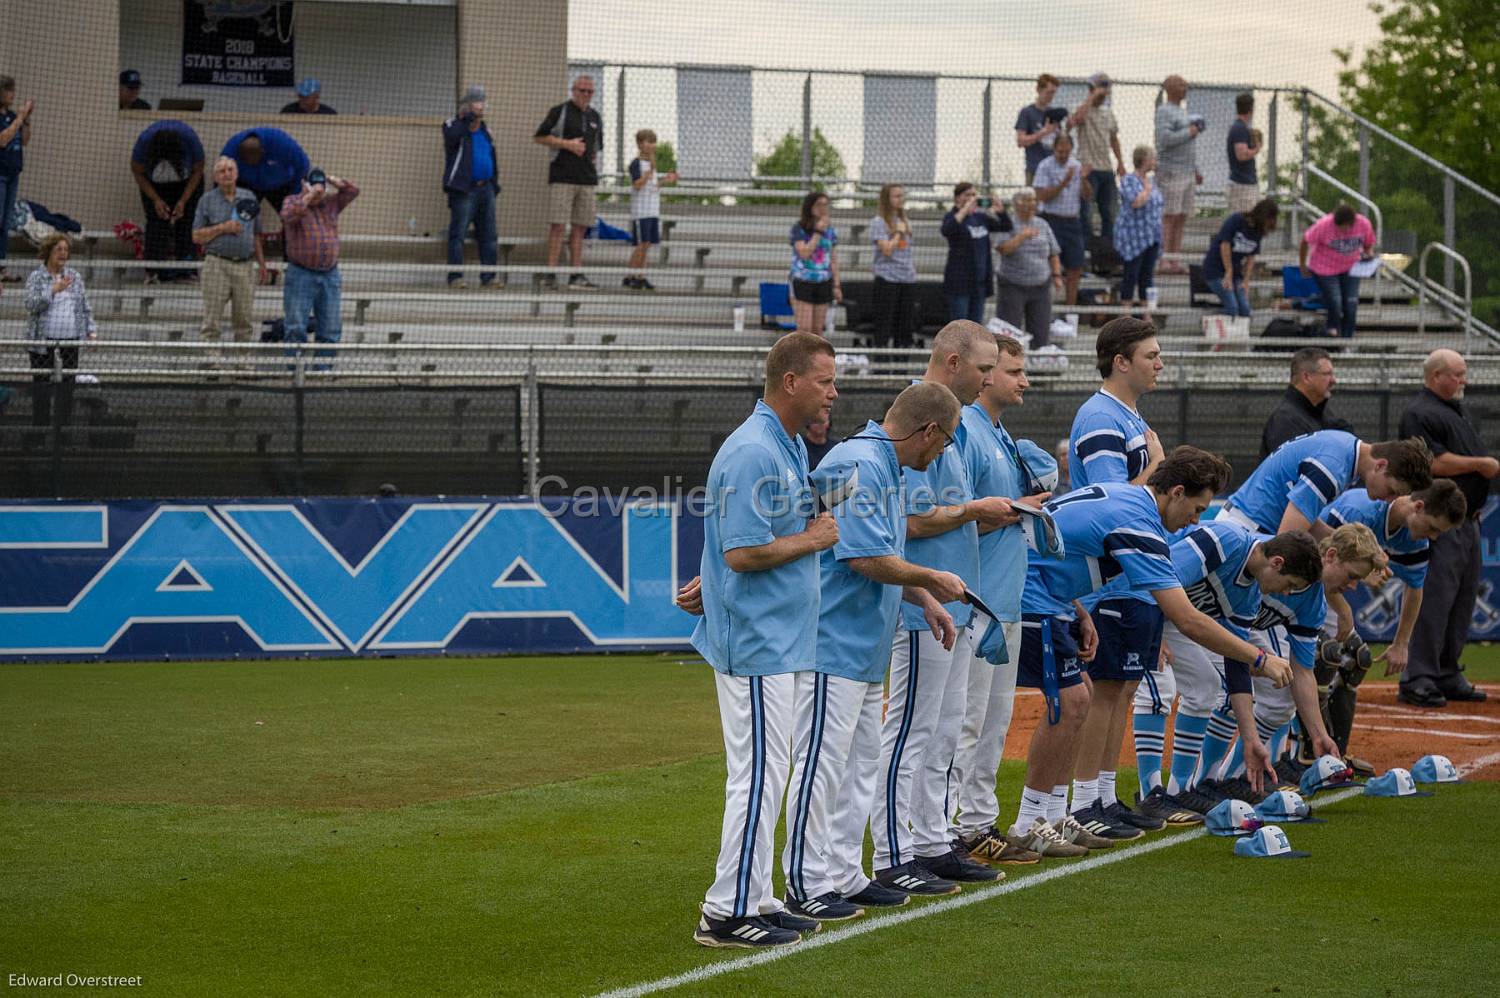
x: 995, y: 470
x: 1302, y: 614
x: 1408, y: 556
x: 1212, y: 562
x: 1308, y: 472
x: 758, y: 623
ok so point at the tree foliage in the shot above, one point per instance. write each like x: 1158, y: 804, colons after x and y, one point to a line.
x: 785, y: 159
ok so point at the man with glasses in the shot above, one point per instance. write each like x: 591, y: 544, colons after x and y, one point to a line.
x: 574, y: 132
x: 1304, y: 406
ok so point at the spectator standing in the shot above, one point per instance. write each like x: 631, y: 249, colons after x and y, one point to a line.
x: 1060, y: 452
x: 1176, y: 166
x: 1061, y: 188
x: 309, y: 99
x: 892, y: 267
x: 1029, y: 271
x: 15, y: 133
x: 471, y: 179
x: 815, y: 264
x: 167, y: 164
x: 1230, y: 261
x: 1330, y: 248
x: 1039, y: 123
x: 130, y: 92
x: 1138, y: 234
x: 1434, y: 674
x: 645, y: 207
x: 574, y: 132
x: 1243, y: 145
x: 314, y: 286
x: 968, y: 273
x: 58, y: 319
x: 818, y: 436
x: 1098, y: 136
x: 226, y: 224
x: 1304, y: 405
x: 271, y: 163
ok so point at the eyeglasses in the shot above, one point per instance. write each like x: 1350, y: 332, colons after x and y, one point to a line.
x: 581, y: 90
x: 946, y: 435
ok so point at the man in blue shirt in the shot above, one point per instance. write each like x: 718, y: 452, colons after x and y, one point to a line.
x: 836, y: 727
x: 1224, y: 568
x: 471, y: 182
x: 929, y: 683
x: 758, y: 596
x: 996, y: 468
x: 1290, y: 489
x: 271, y: 163
x: 1107, y: 532
x: 1111, y: 443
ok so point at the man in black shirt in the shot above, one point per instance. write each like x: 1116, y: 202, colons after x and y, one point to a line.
x: 130, y: 92
x: 1433, y: 675
x: 309, y: 99
x: 1304, y: 406
x: 574, y: 132
x: 819, y: 438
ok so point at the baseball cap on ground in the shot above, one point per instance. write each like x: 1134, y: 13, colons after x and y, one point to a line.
x: 1394, y: 782
x: 1435, y: 769
x: 1232, y: 817
x: 309, y: 86
x: 1285, y: 805
x: 1269, y: 842
x: 130, y: 78
x: 1328, y: 773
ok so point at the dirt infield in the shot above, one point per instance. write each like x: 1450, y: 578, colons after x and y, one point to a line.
x: 1386, y: 731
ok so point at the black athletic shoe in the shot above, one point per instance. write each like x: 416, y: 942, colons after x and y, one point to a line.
x: 787, y: 920
x: 876, y: 896
x: 631, y: 283
x: 1117, y: 812
x: 1094, y: 822
x: 751, y: 932
x: 828, y: 907
x: 914, y: 878
x: 580, y: 283
x: 1200, y: 799
x: 1289, y: 771
x: 958, y: 867
x: 644, y: 285
x: 1239, y: 788
x: 1168, y: 808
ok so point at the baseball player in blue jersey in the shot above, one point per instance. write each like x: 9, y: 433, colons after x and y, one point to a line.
x: 1224, y: 568
x: 929, y: 683
x: 836, y: 740
x: 1107, y: 532
x: 996, y: 468
x: 758, y: 593
x: 1292, y: 487
x: 1110, y: 442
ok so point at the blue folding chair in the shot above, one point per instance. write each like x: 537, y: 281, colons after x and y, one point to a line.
x: 1301, y: 291
x: 776, y: 307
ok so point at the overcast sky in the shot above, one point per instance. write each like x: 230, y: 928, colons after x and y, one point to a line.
x: 1256, y: 41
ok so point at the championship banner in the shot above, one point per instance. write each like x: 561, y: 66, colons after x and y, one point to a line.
x: 237, y: 43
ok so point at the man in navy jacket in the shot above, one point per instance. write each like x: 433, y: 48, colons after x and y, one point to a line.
x: 471, y: 178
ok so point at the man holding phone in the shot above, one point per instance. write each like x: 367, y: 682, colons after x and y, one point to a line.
x: 471, y: 180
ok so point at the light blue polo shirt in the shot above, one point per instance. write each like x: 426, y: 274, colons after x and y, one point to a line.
x: 994, y: 467
x: 944, y: 483
x: 758, y: 623
x: 859, y: 615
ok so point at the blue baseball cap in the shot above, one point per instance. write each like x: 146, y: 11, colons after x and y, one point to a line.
x: 1435, y: 769
x: 1232, y: 817
x: 1328, y: 773
x: 1269, y: 842
x: 1394, y: 782
x: 309, y: 86
x: 1285, y: 805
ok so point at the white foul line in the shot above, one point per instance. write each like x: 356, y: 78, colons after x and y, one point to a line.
x: 963, y: 900
x: 1428, y: 715
x: 1430, y: 732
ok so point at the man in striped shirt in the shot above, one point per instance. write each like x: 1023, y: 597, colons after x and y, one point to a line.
x: 310, y: 225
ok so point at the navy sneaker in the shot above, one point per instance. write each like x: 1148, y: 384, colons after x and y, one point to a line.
x: 959, y: 868
x: 1117, y: 812
x: 644, y: 285
x: 750, y: 932
x: 1167, y: 807
x: 876, y: 896
x: 913, y: 878
x: 1289, y: 771
x: 828, y: 907
x: 1239, y: 788
x: 1095, y: 823
x: 1203, y: 798
x: 786, y: 920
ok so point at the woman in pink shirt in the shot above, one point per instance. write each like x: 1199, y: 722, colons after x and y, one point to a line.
x: 1330, y: 248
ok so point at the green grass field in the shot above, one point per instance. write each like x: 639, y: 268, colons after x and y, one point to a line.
x: 547, y: 826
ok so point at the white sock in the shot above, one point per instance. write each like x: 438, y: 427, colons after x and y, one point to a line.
x: 1033, y: 806
x: 1085, y: 792
x: 1107, y: 787
x: 1057, y: 807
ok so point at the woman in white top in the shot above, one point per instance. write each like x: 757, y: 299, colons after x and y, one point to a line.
x: 58, y: 319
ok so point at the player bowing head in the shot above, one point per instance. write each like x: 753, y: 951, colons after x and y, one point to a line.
x: 1398, y: 468
x: 1185, y: 483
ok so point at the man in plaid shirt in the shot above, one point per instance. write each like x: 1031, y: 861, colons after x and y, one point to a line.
x: 310, y: 226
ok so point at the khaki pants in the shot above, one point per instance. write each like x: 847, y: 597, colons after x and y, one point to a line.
x: 232, y: 281
x: 1241, y: 197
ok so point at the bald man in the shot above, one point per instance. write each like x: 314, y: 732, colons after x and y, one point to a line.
x: 1433, y: 673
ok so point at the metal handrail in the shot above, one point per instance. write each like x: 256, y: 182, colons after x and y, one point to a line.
x: 1349, y: 192
x: 1468, y: 296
